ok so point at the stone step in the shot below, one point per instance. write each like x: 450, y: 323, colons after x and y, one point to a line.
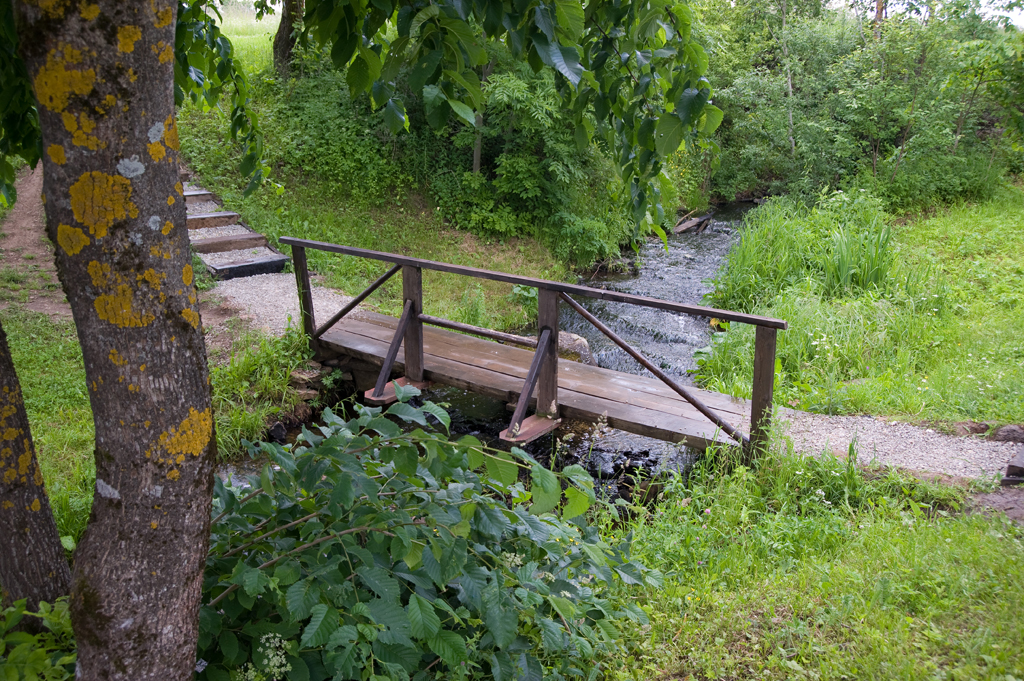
x: 204, y: 220
x: 198, y: 196
x: 231, y: 242
x: 245, y: 262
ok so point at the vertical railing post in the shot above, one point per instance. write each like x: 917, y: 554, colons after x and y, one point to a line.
x: 763, y: 388
x: 412, y: 289
x: 305, y: 296
x: 547, y: 384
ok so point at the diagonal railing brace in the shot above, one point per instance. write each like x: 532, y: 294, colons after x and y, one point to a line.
x: 355, y: 301
x: 732, y: 432
x: 396, y: 342
x: 531, y: 382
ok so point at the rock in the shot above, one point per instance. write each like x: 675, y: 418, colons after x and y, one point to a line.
x: 577, y: 345
x: 315, y: 366
x: 302, y: 379
x: 278, y: 433
x: 969, y: 428
x: 337, y: 361
x: 1009, y: 434
x: 308, y: 395
x: 302, y: 413
x: 1016, y: 467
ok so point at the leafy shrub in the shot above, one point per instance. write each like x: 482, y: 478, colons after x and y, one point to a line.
x: 369, y: 553
x: 46, y: 656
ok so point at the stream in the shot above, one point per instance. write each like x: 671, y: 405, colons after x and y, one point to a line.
x: 667, y: 339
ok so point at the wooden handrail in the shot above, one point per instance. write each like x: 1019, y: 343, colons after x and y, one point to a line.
x: 358, y: 299
x: 557, y: 286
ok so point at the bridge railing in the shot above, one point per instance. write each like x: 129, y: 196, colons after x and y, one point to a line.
x: 543, y: 373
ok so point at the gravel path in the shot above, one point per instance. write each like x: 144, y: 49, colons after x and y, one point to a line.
x: 271, y: 299
x: 898, y: 444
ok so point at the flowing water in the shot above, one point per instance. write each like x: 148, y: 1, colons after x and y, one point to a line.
x: 665, y: 338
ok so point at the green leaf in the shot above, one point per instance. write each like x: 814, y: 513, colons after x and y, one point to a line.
x: 380, y: 582
x: 463, y: 112
x: 438, y: 413
x: 449, y: 646
x: 566, y: 61
x: 253, y: 581
x: 712, y: 119
x: 502, y: 623
x: 423, y: 621
x: 563, y: 606
x: 468, y: 80
x: 287, y: 573
x: 396, y: 120
x: 576, y: 503
x: 570, y: 17
x: 413, y: 557
x: 668, y: 134
x: 502, y: 468
x: 300, y: 598
x: 551, y: 634
x: 546, y: 490
x: 322, y: 623
x: 358, y: 77
x: 228, y: 644
x: 298, y: 671
x: 407, y: 413
x: 422, y: 73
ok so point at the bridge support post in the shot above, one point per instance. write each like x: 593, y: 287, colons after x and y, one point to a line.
x: 305, y: 297
x: 547, y: 384
x: 763, y: 389
x: 412, y: 290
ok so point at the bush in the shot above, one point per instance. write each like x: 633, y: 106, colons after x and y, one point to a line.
x: 366, y: 552
x: 46, y: 656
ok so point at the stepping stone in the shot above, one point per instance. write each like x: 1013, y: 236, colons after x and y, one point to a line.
x: 204, y: 220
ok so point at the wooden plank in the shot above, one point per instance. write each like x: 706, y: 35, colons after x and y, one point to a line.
x: 219, y: 219
x: 232, y: 242
x: 600, y: 382
x: 638, y: 420
x: 763, y: 388
x: 198, y: 196
x: 547, y: 385
x: 412, y: 292
x: 686, y: 426
x: 557, y: 286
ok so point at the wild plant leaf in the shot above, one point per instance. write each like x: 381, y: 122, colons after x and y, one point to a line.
x: 394, y: 619
x: 287, y: 573
x: 502, y: 469
x: 407, y: 413
x: 438, y: 413
x: 228, y: 643
x: 668, y: 134
x: 323, y: 622
x: 576, y: 503
x: 551, y: 634
x: 379, y: 581
x: 449, y: 646
x: 423, y: 621
x: 300, y: 598
x: 502, y: 623
x: 546, y: 490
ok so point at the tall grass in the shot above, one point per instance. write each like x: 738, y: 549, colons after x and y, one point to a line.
x: 918, y: 321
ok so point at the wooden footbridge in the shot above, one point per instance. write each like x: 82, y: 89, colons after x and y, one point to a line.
x: 424, y: 348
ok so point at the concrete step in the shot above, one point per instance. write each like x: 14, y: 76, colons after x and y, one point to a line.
x: 231, y: 242
x: 220, y: 219
x: 245, y: 262
x: 198, y: 196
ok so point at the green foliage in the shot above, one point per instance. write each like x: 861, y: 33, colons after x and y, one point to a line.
x: 368, y: 553
x: 913, y: 110
x: 935, y: 339
x: 47, y: 656
x: 253, y: 386
x: 19, y: 122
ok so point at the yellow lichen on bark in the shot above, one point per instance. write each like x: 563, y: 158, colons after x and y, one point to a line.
x: 98, y: 200
x: 152, y: 278
x: 191, y: 437
x: 55, y: 83
x: 127, y: 36
x: 71, y: 239
x: 164, y: 51
x: 54, y: 9
x: 116, y: 304
x: 35, y: 505
x: 164, y: 17
x: 56, y: 153
x: 157, y: 152
x: 170, y: 200
x: 187, y: 274
x: 88, y: 12
x: 116, y: 358
x: 178, y: 187
x: 168, y: 226
x: 80, y: 136
x: 191, y: 316
x: 171, y: 139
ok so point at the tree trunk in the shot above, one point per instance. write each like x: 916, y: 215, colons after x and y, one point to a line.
x: 879, y: 17
x: 284, y: 40
x: 789, y: 82
x: 478, y: 143
x: 32, y: 563
x: 103, y: 76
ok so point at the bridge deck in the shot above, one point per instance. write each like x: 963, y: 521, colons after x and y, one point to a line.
x: 636, y: 404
